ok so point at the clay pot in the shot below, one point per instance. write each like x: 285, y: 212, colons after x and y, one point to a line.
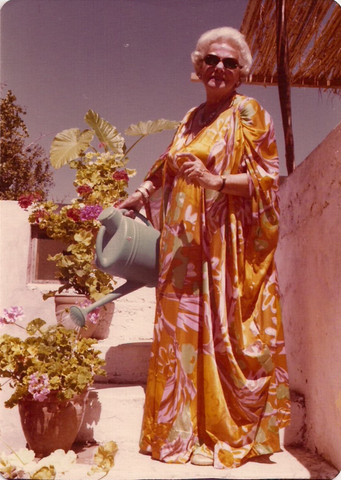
x: 99, y: 330
x: 51, y: 424
x: 106, y: 314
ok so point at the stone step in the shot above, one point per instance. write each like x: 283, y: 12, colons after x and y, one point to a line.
x: 116, y: 411
x: 126, y: 363
x: 133, y: 317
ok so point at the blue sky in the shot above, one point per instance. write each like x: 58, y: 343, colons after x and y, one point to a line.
x: 129, y: 60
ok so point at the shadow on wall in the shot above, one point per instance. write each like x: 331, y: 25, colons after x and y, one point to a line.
x: 92, y: 416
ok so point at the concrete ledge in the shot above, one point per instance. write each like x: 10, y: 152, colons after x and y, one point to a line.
x: 126, y: 363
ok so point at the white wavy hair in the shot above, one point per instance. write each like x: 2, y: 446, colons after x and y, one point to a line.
x: 227, y: 35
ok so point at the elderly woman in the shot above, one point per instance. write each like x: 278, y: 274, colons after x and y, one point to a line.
x: 217, y: 391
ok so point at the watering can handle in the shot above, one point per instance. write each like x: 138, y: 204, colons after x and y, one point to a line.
x: 139, y: 215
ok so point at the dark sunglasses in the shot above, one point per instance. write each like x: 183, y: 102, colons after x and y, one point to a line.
x: 213, y: 60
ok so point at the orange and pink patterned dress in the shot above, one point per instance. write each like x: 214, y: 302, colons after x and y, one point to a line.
x: 217, y: 377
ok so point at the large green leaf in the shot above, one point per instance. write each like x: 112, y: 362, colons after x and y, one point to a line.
x: 151, y: 126
x: 68, y: 145
x: 106, y: 133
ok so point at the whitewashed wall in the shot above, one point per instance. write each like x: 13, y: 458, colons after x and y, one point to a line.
x: 309, y: 263
x: 14, y: 255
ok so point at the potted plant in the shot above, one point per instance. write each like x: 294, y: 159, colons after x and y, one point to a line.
x: 50, y: 371
x: 101, y: 180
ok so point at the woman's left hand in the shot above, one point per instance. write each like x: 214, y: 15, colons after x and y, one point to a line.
x: 194, y: 171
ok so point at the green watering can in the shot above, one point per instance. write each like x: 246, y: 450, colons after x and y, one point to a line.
x: 126, y: 249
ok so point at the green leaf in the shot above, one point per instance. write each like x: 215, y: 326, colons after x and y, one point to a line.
x: 83, y: 237
x: 68, y: 145
x: 104, y: 458
x: 65, y: 261
x: 20, y: 392
x: 156, y: 126
x: 106, y: 133
x: 34, y: 326
x: 54, y: 382
x: 68, y: 394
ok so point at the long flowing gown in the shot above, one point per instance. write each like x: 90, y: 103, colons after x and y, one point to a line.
x: 217, y: 376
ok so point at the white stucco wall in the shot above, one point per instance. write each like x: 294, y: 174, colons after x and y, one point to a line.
x: 309, y: 264
x: 14, y: 253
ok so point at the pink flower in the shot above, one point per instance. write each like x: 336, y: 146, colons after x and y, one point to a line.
x: 84, y: 190
x: 38, y: 386
x: 74, y: 214
x: 92, y: 316
x: 121, y: 175
x: 12, y: 315
x: 26, y: 201
x: 90, y: 212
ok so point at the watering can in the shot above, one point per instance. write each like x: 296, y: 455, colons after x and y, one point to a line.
x: 127, y: 249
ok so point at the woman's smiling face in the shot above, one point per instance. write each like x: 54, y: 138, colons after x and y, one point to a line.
x: 217, y: 77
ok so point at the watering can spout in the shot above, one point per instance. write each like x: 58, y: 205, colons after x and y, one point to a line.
x: 78, y: 315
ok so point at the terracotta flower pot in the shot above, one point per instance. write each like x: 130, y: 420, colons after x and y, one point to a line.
x: 62, y: 304
x: 51, y: 424
x: 106, y: 314
x: 99, y: 330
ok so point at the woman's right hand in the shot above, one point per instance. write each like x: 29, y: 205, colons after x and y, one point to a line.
x: 132, y: 204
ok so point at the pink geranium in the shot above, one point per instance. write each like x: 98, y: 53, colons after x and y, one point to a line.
x: 39, y: 386
x: 12, y: 315
x: 26, y: 201
x: 84, y: 190
x: 121, y: 175
x: 73, y: 213
x: 92, y: 316
x: 90, y: 212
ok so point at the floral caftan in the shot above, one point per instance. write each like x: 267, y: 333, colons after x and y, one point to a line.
x: 217, y: 376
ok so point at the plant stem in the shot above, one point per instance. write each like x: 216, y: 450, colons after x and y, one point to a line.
x: 5, y: 382
x: 133, y: 145
x: 20, y: 326
x: 13, y: 451
x: 100, y: 478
